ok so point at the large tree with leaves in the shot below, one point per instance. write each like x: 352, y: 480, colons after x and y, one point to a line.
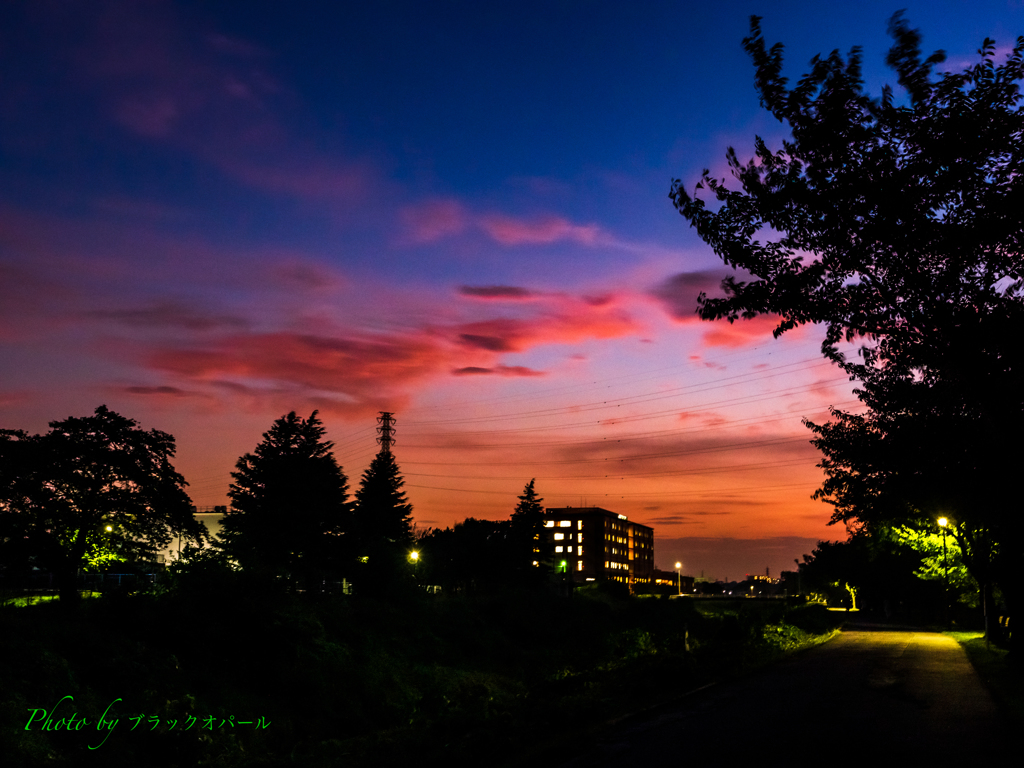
x: 90, y: 492
x: 898, y: 224
x: 290, y: 513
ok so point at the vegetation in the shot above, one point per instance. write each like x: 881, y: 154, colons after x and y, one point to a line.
x: 383, y: 525
x: 489, y: 555
x: 353, y: 680
x: 290, y: 514
x: 90, y: 492
x: 897, y: 224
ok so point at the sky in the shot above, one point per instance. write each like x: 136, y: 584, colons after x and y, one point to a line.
x: 212, y: 214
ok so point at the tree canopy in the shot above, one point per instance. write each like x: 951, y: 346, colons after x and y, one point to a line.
x: 290, y: 513
x: 91, y: 491
x: 898, y: 224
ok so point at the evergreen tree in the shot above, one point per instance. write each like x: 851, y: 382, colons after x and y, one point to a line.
x: 530, y: 548
x: 384, y: 524
x: 290, y: 512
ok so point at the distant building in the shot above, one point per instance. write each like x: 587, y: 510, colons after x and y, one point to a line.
x: 672, y: 582
x: 594, y: 544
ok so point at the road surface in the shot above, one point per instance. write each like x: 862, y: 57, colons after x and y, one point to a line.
x: 866, y: 695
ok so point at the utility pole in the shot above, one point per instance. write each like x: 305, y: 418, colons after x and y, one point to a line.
x: 386, y: 432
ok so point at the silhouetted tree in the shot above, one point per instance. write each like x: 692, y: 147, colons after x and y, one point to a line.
x: 530, y: 551
x: 383, y: 521
x: 91, y: 491
x: 471, y: 556
x: 899, y: 226
x: 290, y: 513
x: 879, y: 568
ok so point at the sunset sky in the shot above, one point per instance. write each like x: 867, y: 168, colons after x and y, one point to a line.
x: 212, y: 214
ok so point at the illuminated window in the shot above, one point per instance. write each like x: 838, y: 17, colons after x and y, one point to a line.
x: 559, y: 549
x: 579, y: 524
x: 565, y: 523
x: 579, y: 551
x: 579, y: 565
x: 549, y: 524
x: 579, y: 537
x: 606, y: 564
x: 559, y: 536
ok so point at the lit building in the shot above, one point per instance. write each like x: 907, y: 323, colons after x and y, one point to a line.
x: 673, y: 582
x: 594, y: 544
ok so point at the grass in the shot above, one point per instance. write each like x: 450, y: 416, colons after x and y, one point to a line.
x: 993, y: 666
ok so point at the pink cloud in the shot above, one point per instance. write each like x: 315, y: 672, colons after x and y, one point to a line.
x: 358, y: 372
x: 305, y: 275
x: 678, y: 294
x: 498, y: 370
x: 159, y: 391
x: 496, y: 292
x: 14, y: 397
x: 549, y: 229
x: 433, y: 220
x: 170, y: 314
x: 565, y: 320
x: 722, y: 333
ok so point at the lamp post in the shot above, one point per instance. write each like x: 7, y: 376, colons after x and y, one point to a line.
x: 414, y: 558
x: 943, y: 523
x: 679, y: 579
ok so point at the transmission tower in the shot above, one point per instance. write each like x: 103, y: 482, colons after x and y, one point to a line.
x: 386, y: 432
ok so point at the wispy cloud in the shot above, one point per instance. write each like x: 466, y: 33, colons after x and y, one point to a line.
x: 496, y: 292
x: 562, y: 319
x: 498, y: 370
x: 507, y: 230
x: 169, y: 314
x: 438, y: 218
x: 433, y: 220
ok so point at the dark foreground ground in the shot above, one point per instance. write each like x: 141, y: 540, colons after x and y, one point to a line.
x: 877, y: 696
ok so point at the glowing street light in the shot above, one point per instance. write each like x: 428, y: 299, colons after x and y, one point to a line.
x: 679, y: 579
x: 943, y: 523
x: 414, y: 556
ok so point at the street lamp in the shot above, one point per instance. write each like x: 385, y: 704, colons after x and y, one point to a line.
x: 943, y: 523
x: 679, y: 579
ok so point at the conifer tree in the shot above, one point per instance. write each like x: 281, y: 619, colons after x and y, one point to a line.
x: 530, y: 547
x: 384, y: 524
x: 290, y: 512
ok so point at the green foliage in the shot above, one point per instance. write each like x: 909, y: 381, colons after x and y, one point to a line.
x: 91, y: 491
x: 289, y: 513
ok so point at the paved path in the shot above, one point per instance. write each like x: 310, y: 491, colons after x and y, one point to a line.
x: 871, y: 696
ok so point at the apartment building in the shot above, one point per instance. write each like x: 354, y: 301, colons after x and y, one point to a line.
x: 594, y: 544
